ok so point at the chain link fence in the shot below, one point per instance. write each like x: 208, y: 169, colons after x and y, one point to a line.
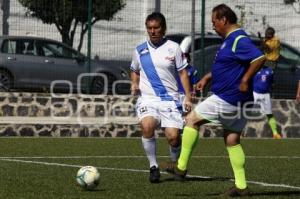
x: 117, y: 32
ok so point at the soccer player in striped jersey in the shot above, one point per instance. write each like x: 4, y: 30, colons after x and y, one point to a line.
x: 155, y: 65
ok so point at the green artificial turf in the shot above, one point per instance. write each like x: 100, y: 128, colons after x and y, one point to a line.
x: 46, y: 168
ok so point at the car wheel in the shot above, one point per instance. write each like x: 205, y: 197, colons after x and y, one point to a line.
x: 98, y: 85
x: 5, y: 81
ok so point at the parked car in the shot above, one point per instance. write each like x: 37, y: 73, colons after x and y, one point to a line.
x: 36, y: 64
x: 285, y: 74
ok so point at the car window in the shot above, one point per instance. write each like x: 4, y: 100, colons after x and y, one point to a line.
x: 212, y: 41
x: 9, y: 46
x: 288, y: 58
x: 51, y: 49
x: 27, y: 47
x: 208, y: 41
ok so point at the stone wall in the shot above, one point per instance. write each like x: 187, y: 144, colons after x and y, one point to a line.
x: 31, y: 114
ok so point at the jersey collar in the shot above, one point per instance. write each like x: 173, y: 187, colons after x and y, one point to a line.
x: 162, y: 42
x: 232, y: 32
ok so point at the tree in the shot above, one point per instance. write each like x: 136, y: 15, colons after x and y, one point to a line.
x: 252, y: 19
x: 294, y: 3
x: 67, y: 15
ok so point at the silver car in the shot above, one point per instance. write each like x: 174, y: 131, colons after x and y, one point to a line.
x: 38, y: 64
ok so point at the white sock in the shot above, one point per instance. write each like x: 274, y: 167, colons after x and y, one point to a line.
x: 174, y: 153
x: 149, y: 145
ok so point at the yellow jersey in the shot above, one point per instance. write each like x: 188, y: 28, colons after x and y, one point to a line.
x: 273, y: 51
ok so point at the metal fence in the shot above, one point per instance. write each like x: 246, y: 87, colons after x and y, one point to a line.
x: 115, y: 37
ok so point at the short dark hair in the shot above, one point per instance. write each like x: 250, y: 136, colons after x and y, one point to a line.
x: 222, y: 10
x: 271, y: 30
x: 159, y: 17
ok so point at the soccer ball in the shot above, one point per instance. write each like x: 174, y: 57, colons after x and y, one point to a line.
x: 88, y: 177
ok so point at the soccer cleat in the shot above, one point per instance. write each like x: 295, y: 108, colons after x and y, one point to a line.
x: 154, y: 174
x: 171, y: 168
x: 277, y: 136
x: 236, y: 192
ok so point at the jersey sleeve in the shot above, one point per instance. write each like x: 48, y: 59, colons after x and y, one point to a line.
x: 247, y: 51
x: 135, y: 65
x: 193, y: 75
x: 180, y: 59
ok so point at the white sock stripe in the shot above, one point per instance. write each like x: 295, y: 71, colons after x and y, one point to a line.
x: 149, y: 145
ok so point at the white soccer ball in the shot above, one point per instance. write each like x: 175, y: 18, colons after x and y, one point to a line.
x: 88, y: 177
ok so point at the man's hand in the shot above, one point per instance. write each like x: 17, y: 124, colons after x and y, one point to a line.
x: 187, y: 103
x: 202, y: 83
x: 244, y: 86
x: 135, y: 89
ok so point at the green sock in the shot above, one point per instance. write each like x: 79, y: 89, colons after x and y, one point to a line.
x: 272, y: 123
x: 189, y: 140
x: 237, y: 160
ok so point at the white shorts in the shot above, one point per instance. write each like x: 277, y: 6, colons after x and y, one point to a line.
x: 166, y: 113
x: 218, y: 111
x: 263, y: 101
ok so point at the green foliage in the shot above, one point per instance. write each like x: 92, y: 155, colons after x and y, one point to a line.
x: 68, y: 14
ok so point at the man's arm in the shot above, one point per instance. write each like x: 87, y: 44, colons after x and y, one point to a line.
x: 202, y: 83
x: 184, y: 78
x: 298, y: 92
x: 253, y: 68
x: 135, y: 79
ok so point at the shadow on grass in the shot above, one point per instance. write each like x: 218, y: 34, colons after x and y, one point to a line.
x: 277, y: 193
x: 271, y: 193
x: 94, y: 190
x: 197, y: 178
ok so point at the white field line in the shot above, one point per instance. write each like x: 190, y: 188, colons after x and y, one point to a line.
x: 139, y: 156
x: 141, y: 171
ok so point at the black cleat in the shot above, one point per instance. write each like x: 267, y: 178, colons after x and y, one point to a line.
x: 236, y: 192
x: 154, y: 174
x: 171, y: 168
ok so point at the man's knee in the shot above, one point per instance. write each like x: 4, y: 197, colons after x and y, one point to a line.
x: 193, y: 120
x: 148, y: 126
x: 174, y: 139
x: 231, y: 138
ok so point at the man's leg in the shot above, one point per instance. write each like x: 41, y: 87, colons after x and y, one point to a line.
x: 174, y: 140
x: 266, y: 106
x: 237, y: 160
x: 273, y: 125
x: 148, y: 125
x: 189, y: 139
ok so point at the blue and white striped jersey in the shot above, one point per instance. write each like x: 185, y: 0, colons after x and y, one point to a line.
x: 158, y: 67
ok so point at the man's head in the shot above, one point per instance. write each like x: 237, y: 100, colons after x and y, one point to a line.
x: 223, y: 18
x: 156, y: 26
x: 270, y: 32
